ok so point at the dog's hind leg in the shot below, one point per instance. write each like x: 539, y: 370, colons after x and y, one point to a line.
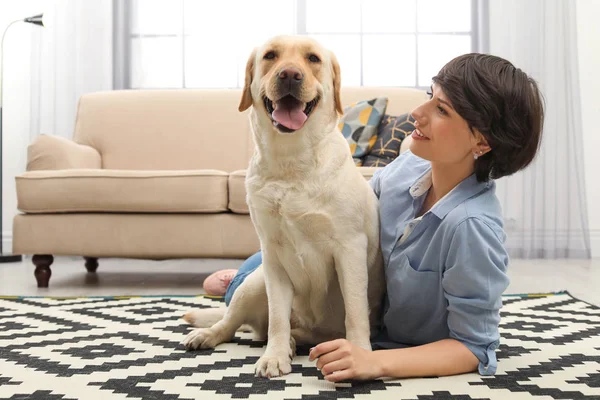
x: 207, y: 317
x: 204, y: 317
x: 248, y: 306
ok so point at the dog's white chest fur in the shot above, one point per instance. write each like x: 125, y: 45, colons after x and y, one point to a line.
x: 287, y: 212
x: 292, y: 218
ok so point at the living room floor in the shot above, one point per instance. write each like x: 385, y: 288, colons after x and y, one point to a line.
x: 126, y: 277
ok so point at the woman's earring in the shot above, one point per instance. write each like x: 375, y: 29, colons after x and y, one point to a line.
x: 475, y: 156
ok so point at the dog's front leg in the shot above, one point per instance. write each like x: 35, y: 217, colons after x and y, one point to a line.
x: 351, y: 267
x: 276, y: 360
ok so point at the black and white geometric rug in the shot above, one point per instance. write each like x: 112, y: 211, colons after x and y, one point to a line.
x: 130, y: 348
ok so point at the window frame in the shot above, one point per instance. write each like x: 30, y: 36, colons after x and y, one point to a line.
x: 123, y: 36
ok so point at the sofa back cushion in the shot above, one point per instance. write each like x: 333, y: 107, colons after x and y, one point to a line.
x: 400, y: 100
x: 165, y: 129
x: 187, y: 129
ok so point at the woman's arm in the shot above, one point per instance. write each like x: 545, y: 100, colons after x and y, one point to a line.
x: 442, y: 358
x: 340, y: 360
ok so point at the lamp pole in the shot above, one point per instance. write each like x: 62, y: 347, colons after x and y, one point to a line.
x: 37, y: 20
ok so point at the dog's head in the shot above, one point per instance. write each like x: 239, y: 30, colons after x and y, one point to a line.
x: 291, y: 79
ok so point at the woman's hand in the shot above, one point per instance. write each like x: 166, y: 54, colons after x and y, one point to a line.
x: 340, y: 359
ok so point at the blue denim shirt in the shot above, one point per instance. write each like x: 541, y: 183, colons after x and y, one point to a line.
x: 445, y: 271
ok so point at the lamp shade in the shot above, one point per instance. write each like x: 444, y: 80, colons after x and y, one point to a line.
x: 40, y: 19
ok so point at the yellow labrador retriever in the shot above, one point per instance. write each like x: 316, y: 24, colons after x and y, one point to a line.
x: 316, y: 216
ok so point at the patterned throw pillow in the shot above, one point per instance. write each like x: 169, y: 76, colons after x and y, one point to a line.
x: 390, y: 135
x: 359, y: 125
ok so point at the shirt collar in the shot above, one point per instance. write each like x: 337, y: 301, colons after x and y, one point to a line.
x: 421, y: 185
x: 466, y: 189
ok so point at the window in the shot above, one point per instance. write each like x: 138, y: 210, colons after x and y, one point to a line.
x: 205, y: 44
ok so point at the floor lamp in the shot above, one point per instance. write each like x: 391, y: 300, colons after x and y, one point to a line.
x: 37, y: 20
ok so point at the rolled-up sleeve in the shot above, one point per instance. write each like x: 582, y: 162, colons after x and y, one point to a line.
x: 473, y: 281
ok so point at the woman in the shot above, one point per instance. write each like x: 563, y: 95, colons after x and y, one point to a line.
x: 441, y: 228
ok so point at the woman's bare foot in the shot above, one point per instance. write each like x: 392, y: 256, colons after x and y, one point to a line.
x: 216, y: 283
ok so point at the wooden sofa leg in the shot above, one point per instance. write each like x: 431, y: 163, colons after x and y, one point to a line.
x: 91, y: 264
x: 42, y: 272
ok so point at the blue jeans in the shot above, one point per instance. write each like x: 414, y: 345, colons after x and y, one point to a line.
x: 253, y: 262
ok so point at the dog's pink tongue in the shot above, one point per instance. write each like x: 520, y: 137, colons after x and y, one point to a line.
x: 289, y: 113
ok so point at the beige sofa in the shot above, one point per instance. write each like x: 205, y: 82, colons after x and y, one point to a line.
x: 151, y: 174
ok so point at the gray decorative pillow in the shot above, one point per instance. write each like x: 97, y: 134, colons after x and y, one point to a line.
x: 392, y: 131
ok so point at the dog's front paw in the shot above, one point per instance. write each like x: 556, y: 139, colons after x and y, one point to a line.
x: 273, y: 366
x: 202, y: 339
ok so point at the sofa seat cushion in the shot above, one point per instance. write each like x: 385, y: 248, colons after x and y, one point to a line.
x: 99, y: 190
x: 237, y: 188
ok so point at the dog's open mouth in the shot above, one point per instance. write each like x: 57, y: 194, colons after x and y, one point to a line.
x: 288, y: 113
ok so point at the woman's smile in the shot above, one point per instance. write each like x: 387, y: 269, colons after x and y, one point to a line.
x: 418, y: 135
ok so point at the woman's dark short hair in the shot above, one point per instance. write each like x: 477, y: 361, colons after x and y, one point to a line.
x: 501, y: 102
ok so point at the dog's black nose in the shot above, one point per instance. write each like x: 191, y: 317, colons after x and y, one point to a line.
x: 291, y: 75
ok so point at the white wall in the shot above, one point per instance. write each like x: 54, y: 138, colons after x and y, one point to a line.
x: 17, y: 102
x: 588, y: 31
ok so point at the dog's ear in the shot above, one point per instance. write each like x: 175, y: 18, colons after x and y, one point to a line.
x: 337, y: 84
x: 246, y: 100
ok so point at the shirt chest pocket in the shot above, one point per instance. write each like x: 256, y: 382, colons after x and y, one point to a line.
x: 416, y: 312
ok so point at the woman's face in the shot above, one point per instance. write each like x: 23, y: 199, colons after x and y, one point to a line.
x: 441, y: 135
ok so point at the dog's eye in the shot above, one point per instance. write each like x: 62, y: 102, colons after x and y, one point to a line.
x: 313, y: 58
x: 270, y: 55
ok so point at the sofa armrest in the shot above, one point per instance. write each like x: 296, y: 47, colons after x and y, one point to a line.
x: 49, y: 152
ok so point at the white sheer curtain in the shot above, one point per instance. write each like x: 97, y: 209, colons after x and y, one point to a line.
x: 46, y: 70
x: 70, y: 57
x: 545, y: 205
